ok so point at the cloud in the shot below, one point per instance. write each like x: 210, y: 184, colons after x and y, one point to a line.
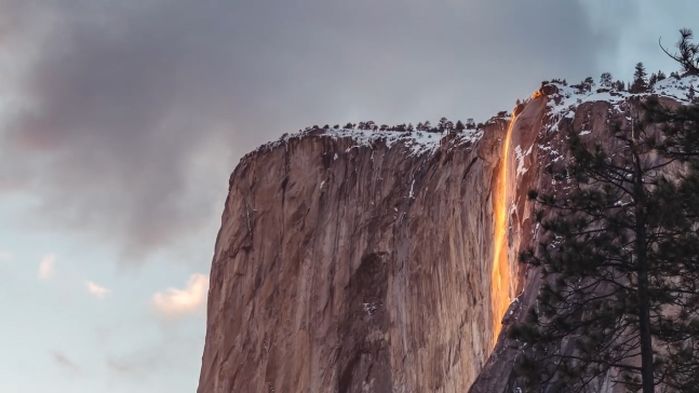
x: 46, y: 267
x: 150, y: 360
x: 191, y: 299
x: 114, y: 103
x: 62, y: 360
x: 96, y: 290
x: 125, y: 366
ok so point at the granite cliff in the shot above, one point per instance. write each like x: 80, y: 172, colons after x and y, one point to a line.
x: 384, y: 261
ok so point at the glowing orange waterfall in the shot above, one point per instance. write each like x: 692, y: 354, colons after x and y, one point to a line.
x: 500, y: 292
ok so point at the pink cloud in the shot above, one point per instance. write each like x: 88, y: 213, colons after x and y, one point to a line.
x: 174, y: 302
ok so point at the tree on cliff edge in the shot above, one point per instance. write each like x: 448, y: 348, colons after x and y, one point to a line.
x: 688, y: 52
x: 640, y: 84
x: 619, y: 259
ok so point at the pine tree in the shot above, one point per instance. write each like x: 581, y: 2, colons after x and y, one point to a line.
x: 620, y: 261
x: 655, y: 78
x: 443, y: 124
x: 640, y: 84
x: 652, y: 80
x: 688, y: 55
x: 585, y: 85
x: 619, y: 86
x: 605, y: 80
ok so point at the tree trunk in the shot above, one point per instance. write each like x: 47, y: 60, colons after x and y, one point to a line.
x: 647, y: 380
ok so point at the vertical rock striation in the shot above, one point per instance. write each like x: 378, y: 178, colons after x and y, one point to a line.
x: 350, y: 266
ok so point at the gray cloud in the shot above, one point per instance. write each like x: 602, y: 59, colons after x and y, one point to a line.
x: 171, y: 353
x: 134, y: 112
x: 64, y: 362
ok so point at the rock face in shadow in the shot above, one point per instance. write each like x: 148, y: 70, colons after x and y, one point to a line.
x: 359, y: 261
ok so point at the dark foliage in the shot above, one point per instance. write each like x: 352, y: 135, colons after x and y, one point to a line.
x: 605, y: 80
x: 444, y: 124
x: 688, y: 52
x: 619, y: 258
x: 640, y: 84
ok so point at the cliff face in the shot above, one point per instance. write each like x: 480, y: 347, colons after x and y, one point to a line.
x: 360, y: 261
x: 349, y: 267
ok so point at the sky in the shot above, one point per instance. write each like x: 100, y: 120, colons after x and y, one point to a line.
x: 120, y: 122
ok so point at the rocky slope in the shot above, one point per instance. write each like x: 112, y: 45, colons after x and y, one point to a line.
x: 362, y: 261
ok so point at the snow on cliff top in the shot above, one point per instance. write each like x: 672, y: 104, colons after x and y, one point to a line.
x: 562, y: 104
x: 569, y: 97
x: 417, y: 142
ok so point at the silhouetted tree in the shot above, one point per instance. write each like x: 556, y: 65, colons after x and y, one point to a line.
x: 444, y: 124
x: 620, y: 261
x: 655, y: 78
x: 640, y: 84
x: 605, y: 80
x: 688, y: 55
x: 619, y: 85
x: 652, y: 79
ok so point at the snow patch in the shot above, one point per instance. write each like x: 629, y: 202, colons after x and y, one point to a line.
x: 411, y: 194
x: 519, y: 155
x: 564, y: 103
